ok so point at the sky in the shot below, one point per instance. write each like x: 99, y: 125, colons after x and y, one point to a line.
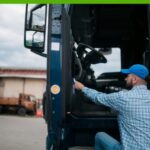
x: 12, y: 50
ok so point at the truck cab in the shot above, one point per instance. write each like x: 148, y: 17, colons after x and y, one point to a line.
x: 27, y: 103
x: 89, y: 43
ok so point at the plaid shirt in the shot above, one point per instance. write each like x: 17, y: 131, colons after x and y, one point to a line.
x: 133, y: 117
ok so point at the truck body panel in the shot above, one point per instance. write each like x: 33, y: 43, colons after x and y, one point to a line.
x: 9, y: 101
x: 24, y: 101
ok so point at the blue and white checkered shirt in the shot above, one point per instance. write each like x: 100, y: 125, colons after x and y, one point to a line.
x: 134, y: 114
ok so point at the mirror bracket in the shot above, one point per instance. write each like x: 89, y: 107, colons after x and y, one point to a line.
x: 39, y: 53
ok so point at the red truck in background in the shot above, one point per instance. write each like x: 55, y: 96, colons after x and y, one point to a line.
x: 23, y: 104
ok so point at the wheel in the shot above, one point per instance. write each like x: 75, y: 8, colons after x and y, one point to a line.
x: 21, y: 111
x: 1, y: 108
x: 52, y: 147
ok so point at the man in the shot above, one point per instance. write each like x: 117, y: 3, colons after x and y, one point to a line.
x: 133, y: 108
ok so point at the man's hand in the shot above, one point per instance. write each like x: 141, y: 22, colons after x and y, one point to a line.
x: 78, y: 85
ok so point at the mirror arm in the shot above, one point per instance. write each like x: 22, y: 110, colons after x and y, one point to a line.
x: 41, y: 54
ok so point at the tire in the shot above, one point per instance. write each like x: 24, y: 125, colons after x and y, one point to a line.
x: 52, y: 147
x: 21, y: 112
x: 1, y: 108
x: 32, y: 113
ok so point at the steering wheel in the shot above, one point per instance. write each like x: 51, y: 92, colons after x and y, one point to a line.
x: 84, y: 58
x: 77, y: 67
x: 89, y: 57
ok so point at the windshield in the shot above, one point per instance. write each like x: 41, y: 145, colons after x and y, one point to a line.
x: 113, y: 63
x: 32, y: 98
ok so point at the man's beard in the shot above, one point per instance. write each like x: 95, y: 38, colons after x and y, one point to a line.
x: 129, y: 85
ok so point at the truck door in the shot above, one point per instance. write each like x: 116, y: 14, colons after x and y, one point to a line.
x: 47, y: 33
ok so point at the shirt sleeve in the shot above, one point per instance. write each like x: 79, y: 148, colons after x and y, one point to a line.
x: 112, y: 100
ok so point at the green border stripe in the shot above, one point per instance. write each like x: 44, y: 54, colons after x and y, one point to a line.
x: 76, y: 1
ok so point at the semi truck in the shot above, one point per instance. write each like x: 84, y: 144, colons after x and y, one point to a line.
x: 89, y: 43
x: 25, y: 103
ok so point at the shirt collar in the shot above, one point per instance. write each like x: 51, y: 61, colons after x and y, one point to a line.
x: 139, y: 87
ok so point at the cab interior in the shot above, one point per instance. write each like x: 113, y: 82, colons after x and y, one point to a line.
x: 106, y: 38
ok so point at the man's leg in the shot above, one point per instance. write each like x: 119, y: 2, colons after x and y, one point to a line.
x: 103, y: 141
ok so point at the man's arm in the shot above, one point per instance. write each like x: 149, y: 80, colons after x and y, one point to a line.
x: 112, y: 100
x: 78, y: 85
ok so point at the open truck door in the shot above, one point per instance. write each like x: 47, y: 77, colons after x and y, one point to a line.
x: 90, y: 43
x: 47, y: 33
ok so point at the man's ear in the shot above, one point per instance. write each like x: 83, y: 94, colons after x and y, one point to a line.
x: 134, y: 79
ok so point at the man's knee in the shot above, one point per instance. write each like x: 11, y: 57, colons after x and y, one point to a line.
x: 105, y: 141
x: 99, y: 136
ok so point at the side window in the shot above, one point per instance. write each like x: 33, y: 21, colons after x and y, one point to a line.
x: 113, y: 62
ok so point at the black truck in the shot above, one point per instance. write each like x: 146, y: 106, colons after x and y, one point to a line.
x: 89, y: 43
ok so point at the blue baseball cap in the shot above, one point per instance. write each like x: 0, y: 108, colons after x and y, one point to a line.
x: 138, y: 70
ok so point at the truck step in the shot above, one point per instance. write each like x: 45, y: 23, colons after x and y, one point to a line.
x: 81, y: 148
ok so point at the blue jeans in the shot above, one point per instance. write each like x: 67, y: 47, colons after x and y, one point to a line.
x: 103, y: 141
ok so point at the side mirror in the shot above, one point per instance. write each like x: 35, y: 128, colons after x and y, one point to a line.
x: 35, y: 22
